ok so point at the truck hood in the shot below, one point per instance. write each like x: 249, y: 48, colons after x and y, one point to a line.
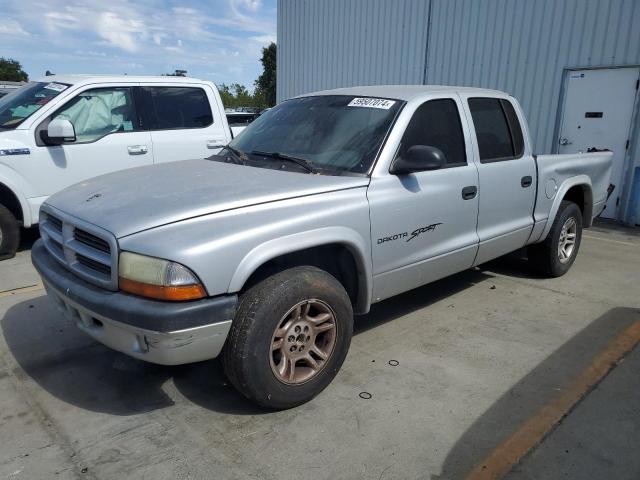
x: 130, y: 201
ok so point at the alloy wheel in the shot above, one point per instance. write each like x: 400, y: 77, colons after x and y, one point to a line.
x: 303, y: 341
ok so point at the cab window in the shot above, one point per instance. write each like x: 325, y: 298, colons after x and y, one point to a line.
x: 436, y: 123
x: 99, y: 112
x: 497, y: 128
x: 170, y: 108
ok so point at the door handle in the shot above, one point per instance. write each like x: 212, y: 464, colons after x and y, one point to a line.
x: 215, y: 143
x: 469, y: 193
x: 137, y: 149
x: 526, y: 181
x: 564, y: 141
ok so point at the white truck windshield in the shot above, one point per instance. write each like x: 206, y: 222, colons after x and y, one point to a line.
x: 23, y: 102
x: 330, y: 132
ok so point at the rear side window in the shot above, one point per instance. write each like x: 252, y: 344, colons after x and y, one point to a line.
x: 497, y: 129
x: 169, y: 108
x: 437, y: 123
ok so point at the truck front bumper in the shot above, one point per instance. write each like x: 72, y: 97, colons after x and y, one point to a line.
x: 167, y: 333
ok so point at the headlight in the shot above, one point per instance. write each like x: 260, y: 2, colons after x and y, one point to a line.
x: 156, y: 278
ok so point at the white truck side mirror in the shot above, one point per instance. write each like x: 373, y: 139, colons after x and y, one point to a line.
x: 61, y: 130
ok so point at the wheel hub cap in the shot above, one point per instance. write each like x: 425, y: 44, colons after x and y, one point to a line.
x: 303, y: 341
x: 567, y: 241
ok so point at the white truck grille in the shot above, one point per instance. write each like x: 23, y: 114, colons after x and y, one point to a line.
x: 88, y: 251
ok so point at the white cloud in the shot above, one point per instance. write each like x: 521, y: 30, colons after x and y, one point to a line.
x: 150, y: 36
x: 184, y: 11
x: 12, y: 28
x: 120, y: 32
x: 264, y: 39
x: 251, y: 5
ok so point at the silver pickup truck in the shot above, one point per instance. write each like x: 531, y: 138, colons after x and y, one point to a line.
x: 326, y: 204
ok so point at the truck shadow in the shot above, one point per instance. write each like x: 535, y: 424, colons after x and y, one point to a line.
x: 79, y: 371
x: 536, y: 389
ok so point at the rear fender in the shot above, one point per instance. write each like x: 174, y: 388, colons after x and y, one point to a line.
x: 577, y: 181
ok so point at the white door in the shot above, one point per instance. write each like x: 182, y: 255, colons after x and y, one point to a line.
x: 597, y: 113
x: 108, y: 139
x: 183, y: 124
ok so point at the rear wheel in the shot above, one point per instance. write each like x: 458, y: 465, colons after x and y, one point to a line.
x: 9, y: 233
x: 555, y: 255
x: 289, y: 338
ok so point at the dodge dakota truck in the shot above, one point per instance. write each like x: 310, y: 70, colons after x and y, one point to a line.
x: 63, y: 129
x: 326, y: 204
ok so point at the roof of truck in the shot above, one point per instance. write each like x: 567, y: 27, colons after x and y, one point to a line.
x: 403, y: 92
x: 84, y: 78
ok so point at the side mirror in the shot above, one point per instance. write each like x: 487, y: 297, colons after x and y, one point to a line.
x: 418, y: 159
x: 60, y: 130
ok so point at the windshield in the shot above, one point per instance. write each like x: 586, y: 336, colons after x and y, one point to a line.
x: 340, y: 133
x: 23, y: 102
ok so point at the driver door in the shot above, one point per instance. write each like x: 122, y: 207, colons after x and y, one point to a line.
x: 108, y: 138
x: 423, y: 224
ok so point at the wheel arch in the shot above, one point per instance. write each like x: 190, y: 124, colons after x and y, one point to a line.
x: 578, y: 190
x: 341, y: 251
x: 14, y: 203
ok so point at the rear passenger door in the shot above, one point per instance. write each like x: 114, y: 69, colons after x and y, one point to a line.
x: 182, y: 123
x: 423, y: 224
x: 507, y: 173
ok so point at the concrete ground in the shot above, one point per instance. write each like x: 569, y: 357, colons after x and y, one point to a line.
x: 480, y: 356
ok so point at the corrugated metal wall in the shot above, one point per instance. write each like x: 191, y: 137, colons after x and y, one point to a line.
x: 519, y: 46
x: 522, y: 47
x: 332, y: 43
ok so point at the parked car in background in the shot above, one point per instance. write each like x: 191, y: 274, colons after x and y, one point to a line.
x: 8, y: 87
x: 326, y: 204
x: 238, y: 121
x: 64, y: 129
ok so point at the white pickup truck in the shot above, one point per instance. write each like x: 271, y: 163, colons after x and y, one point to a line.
x: 63, y: 129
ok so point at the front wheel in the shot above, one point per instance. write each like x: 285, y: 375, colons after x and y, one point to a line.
x: 555, y: 255
x: 9, y: 233
x: 289, y: 338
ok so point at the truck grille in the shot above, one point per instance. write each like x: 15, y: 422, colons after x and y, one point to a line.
x: 86, y: 250
x: 92, y: 241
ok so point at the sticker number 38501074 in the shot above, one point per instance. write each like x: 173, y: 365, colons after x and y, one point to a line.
x: 382, y: 103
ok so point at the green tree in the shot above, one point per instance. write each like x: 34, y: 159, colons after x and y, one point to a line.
x: 228, y: 100
x: 11, y: 71
x: 236, y: 95
x: 266, y: 83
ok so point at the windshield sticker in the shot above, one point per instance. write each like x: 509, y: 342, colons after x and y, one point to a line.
x: 58, y: 87
x: 382, y: 103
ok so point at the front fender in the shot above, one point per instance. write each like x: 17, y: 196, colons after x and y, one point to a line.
x: 304, y: 240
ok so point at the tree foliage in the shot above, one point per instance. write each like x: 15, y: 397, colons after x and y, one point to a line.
x: 266, y: 83
x: 11, y: 71
x: 237, y: 95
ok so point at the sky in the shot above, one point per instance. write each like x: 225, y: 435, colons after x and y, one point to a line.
x: 217, y: 40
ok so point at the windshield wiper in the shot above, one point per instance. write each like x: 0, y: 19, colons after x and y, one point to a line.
x: 238, y: 153
x: 306, y: 164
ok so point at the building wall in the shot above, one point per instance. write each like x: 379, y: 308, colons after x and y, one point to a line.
x: 519, y: 46
x: 332, y: 43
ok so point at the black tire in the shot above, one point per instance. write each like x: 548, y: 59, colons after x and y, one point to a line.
x: 545, y: 256
x: 247, y: 354
x: 9, y: 234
